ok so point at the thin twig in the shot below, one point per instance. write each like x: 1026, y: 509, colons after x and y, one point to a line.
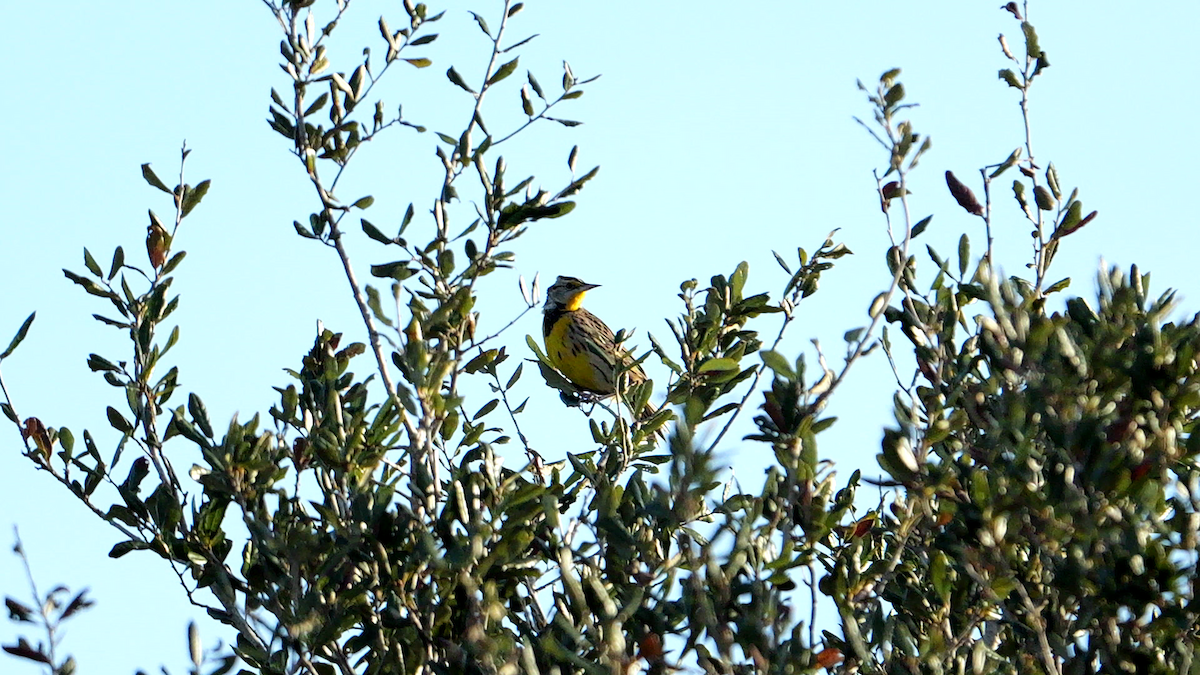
x: 1039, y: 626
x: 60, y: 478
x: 479, y: 343
x: 13, y: 408
x: 752, y: 389
x: 43, y: 605
x: 860, y: 348
x: 987, y: 214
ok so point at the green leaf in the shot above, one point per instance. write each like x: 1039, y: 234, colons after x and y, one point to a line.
x: 482, y: 24
x: 173, y: 263
x: 191, y: 199
x: 99, y: 363
x: 537, y: 88
x: 364, y: 202
x: 373, y: 302
x: 1071, y: 221
x: 152, y: 179
x: 1052, y: 180
x: 164, y: 509
x: 424, y: 40
x: 91, y: 263
x: 398, y: 270
x: 21, y: 332
x: 568, y: 78
x: 823, y: 424
x: 503, y: 72
x: 894, y: 95
x: 127, y: 546
x: 454, y: 77
x: 515, y: 376
x: 784, y: 265
x: 526, y: 103
x: 374, y: 232
x: 920, y: 226
x: 737, y: 280
x: 317, y: 104
x: 778, y: 365
x: 118, y: 262
x: 725, y: 409
x: 179, y: 425
x: 408, y: 216
x: 1010, y: 78
x: 534, y: 347
x: 1042, y: 62
x: 1058, y: 285
x: 964, y: 254
x: 1032, y: 49
x: 137, y: 473
x: 721, y: 365
x: 938, y: 572
x: 518, y: 44
x: 118, y: 422
x: 487, y: 408
x: 1043, y: 198
x: 66, y: 439
x: 481, y: 361
x: 199, y: 414
x: 514, y: 214
x: 1007, y: 164
x: 90, y: 286
x: 577, y: 184
x: 1019, y: 193
x: 420, y: 63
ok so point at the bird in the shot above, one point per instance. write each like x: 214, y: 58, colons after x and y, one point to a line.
x: 580, y: 345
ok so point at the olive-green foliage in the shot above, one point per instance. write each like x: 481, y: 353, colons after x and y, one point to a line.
x: 1041, y: 510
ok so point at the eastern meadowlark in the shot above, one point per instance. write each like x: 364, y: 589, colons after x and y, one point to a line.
x: 581, y: 347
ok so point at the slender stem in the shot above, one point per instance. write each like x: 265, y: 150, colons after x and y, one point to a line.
x: 1040, y: 262
x: 1049, y: 661
x: 487, y: 73
x: 860, y: 348
x: 44, y: 607
x: 365, y: 312
x: 540, y: 116
x: 987, y: 214
x: 752, y: 389
x: 812, y: 588
x: 497, y: 334
x: 148, y: 414
x: 291, y: 29
x: 59, y: 477
x: 13, y: 408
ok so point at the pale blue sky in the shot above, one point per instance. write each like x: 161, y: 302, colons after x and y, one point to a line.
x: 721, y: 133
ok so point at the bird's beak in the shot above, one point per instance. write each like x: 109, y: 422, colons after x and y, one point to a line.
x: 588, y: 287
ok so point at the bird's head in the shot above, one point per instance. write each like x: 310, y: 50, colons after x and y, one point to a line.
x: 567, y: 293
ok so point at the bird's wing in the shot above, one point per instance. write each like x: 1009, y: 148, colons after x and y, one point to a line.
x: 607, y: 347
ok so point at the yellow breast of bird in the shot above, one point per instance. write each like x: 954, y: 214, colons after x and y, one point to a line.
x: 577, y: 357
